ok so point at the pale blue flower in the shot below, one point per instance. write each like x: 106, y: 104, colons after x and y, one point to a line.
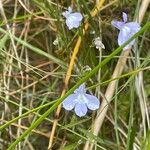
x: 80, y: 101
x: 127, y: 30
x: 73, y: 20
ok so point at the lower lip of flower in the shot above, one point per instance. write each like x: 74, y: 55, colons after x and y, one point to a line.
x: 127, y: 29
x: 81, y: 99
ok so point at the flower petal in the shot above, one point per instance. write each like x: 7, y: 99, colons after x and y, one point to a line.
x: 73, y: 20
x: 117, y: 24
x: 80, y: 109
x: 127, y: 31
x: 123, y: 41
x: 77, y: 16
x: 134, y: 26
x: 81, y: 89
x: 123, y: 36
x: 93, y: 102
x: 69, y: 23
x: 67, y: 12
x: 125, y: 17
x: 70, y: 102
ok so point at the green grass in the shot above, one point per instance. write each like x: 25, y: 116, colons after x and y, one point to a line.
x: 33, y: 70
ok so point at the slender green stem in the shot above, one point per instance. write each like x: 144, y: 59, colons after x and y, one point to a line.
x: 23, y: 115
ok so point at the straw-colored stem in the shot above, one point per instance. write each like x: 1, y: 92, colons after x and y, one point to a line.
x: 108, y: 95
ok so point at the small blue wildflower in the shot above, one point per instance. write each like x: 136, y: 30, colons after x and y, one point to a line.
x: 127, y: 30
x: 73, y: 20
x: 80, y: 101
